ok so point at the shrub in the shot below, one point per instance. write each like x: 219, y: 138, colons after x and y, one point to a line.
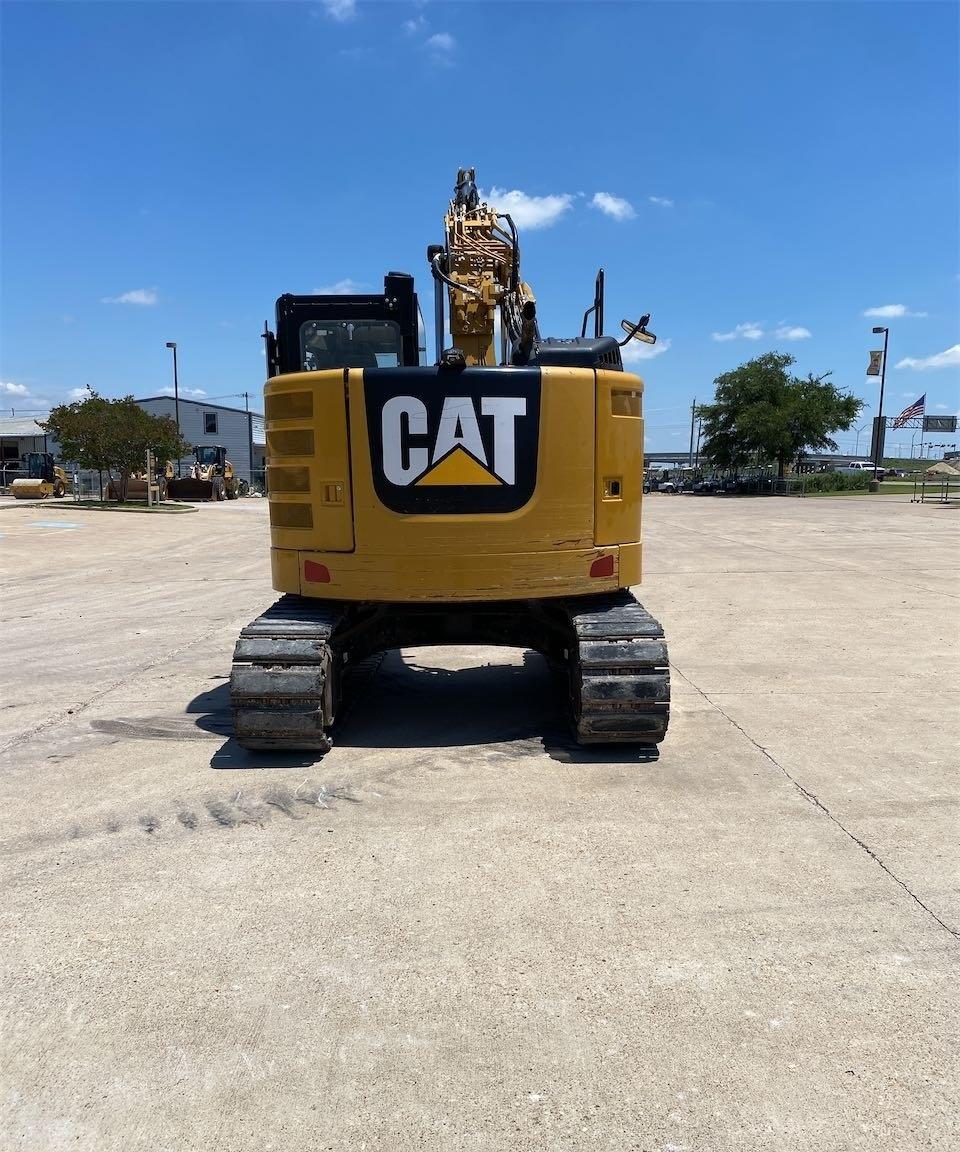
x: 834, y: 482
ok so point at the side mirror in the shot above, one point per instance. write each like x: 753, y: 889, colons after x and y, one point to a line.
x: 638, y: 331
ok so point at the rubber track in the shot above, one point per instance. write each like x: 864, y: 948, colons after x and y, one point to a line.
x: 280, y: 689
x: 619, y: 673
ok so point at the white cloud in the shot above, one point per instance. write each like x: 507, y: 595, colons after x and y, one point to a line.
x: 19, y: 395
x: 143, y: 296
x: 340, y: 10
x: 891, y: 311
x: 634, y: 351
x: 662, y: 201
x: 417, y: 24
x: 749, y: 331
x: 441, y: 46
x: 948, y: 359
x: 167, y: 390
x: 790, y: 332
x: 529, y: 212
x: 345, y: 287
x: 613, y: 206
x: 942, y: 407
x: 78, y: 394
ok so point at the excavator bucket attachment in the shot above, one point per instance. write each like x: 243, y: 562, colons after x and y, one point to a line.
x: 187, y: 488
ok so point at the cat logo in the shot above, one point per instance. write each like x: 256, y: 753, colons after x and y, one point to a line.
x: 467, y: 447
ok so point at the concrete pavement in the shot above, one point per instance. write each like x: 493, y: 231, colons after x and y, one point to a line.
x: 458, y: 930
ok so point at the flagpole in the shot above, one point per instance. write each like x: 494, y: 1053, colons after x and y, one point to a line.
x: 880, y: 428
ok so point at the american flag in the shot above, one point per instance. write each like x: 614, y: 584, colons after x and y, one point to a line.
x: 911, y: 412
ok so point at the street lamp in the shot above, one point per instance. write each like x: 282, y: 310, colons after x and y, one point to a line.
x: 883, y: 377
x: 176, y: 392
x: 856, y: 450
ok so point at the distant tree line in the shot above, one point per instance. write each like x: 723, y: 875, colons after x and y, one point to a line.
x: 762, y: 415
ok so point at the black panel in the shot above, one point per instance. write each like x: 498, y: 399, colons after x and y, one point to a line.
x: 580, y: 352
x: 491, y: 414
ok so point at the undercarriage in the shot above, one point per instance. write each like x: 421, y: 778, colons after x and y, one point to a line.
x: 289, y: 663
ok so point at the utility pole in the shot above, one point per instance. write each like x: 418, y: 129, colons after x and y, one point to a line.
x: 176, y: 393
x: 246, y: 406
x: 693, y: 421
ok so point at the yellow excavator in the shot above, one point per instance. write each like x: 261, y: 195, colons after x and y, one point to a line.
x: 492, y: 497
x: 43, y: 479
x: 211, y: 477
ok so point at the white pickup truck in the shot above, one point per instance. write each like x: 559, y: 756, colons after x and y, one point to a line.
x: 856, y: 466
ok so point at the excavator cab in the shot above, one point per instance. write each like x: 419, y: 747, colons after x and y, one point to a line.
x: 315, y: 333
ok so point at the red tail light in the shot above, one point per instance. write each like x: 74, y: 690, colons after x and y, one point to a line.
x: 602, y: 566
x: 316, y: 573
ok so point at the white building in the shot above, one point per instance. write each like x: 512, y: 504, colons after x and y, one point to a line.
x: 239, y: 431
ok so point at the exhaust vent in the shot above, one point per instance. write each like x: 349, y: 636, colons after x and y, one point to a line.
x: 289, y: 406
x: 290, y: 515
x: 290, y: 442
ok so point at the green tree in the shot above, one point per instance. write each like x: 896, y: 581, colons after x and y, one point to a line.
x: 761, y: 414
x: 113, y: 436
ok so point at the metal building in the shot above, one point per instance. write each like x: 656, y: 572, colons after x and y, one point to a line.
x: 239, y: 431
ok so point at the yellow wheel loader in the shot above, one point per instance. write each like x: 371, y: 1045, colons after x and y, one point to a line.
x: 43, y: 479
x: 492, y: 497
x: 211, y: 477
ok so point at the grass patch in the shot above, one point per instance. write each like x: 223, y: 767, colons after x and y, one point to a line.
x: 167, y: 508
x: 845, y: 495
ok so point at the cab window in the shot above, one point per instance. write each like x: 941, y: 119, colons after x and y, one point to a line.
x: 349, y: 344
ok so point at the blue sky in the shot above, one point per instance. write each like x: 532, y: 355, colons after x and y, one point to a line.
x: 756, y: 176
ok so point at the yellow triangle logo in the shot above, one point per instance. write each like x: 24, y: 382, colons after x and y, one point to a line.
x: 456, y: 468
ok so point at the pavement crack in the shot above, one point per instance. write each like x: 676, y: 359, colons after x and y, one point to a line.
x: 818, y: 803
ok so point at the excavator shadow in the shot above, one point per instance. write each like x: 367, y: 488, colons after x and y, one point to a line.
x: 413, y: 701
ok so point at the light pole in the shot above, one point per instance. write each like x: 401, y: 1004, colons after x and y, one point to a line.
x: 883, y: 377
x: 176, y: 392
x: 856, y: 450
